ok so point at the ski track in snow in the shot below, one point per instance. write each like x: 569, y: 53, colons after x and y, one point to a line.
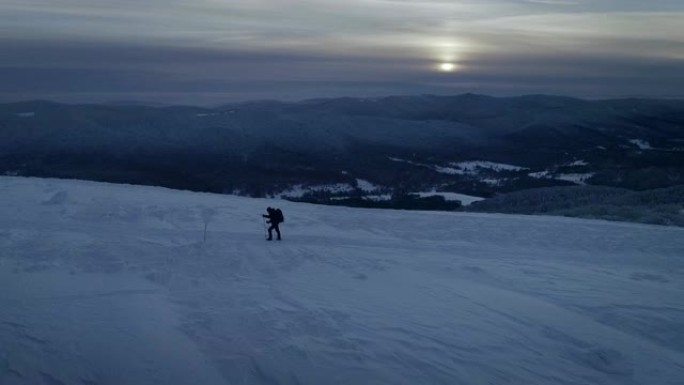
x: 112, y: 284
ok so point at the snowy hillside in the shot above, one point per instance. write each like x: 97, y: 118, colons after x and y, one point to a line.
x: 468, y: 144
x: 113, y: 284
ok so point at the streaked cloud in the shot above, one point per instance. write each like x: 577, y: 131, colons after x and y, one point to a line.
x: 592, y: 48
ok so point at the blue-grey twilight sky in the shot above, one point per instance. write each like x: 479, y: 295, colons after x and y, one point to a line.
x: 216, y: 51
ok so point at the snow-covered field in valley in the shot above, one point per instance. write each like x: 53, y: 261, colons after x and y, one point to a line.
x: 113, y: 284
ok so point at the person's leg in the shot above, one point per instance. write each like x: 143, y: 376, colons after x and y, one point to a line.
x: 270, y: 232
x: 277, y: 229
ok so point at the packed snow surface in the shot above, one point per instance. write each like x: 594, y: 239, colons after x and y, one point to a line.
x: 113, y: 284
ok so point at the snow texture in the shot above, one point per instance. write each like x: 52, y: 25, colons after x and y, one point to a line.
x: 492, y: 181
x: 366, y: 186
x: 642, y: 144
x: 580, y: 179
x: 540, y: 174
x: 113, y: 284
x: 465, y: 199
x: 472, y: 166
x: 377, y: 197
x: 299, y: 190
x: 449, y: 170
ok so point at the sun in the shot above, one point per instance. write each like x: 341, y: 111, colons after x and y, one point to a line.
x: 447, y: 67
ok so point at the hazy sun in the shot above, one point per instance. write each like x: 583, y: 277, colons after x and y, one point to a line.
x: 447, y: 67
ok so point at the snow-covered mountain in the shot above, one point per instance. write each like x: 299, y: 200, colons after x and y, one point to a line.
x: 115, y: 284
x: 468, y: 144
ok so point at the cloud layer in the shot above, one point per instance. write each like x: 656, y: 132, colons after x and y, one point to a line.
x: 213, y: 51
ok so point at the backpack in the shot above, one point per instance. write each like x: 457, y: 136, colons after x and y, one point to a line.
x: 279, y: 216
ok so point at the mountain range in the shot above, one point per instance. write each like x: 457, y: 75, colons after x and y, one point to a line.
x: 468, y: 144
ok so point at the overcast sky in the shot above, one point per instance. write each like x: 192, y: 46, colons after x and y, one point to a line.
x: 217, y: 51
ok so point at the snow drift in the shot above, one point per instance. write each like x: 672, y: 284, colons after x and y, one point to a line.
x: 114, y: 284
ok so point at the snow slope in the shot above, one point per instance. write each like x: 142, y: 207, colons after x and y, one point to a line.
x: 112, y: 284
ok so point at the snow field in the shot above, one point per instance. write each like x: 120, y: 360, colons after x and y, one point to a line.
x: 466, y: 200
x: 113, y: 284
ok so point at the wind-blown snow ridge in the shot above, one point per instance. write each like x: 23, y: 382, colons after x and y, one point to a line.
x: 107, y: 284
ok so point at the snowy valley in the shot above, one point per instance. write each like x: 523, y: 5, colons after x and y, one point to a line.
x: 409, y: 152
x: 116, y: 284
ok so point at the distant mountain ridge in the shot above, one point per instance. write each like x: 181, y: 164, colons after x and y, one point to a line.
x: 400, y: 144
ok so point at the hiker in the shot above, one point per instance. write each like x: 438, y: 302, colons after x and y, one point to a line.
x: 275, y: 217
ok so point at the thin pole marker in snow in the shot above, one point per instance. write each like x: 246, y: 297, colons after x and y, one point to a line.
x: 207, y: 215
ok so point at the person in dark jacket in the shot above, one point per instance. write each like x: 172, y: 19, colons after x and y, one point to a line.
x: 275, y: 218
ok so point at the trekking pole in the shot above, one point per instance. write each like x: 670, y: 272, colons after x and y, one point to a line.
x: 265, y: 228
